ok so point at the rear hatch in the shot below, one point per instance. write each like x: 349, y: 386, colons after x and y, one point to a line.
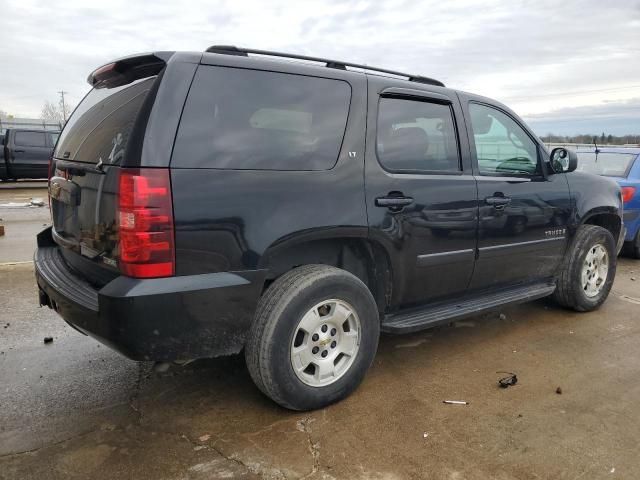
x: 103, y: 133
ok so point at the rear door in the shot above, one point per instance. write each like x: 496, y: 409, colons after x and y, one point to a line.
x: 30, y: 154
x: 524, y: 210
x: 420, y: 192
x: 83, y: 188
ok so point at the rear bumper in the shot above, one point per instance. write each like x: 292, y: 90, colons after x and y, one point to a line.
x: 160, y: 319
x: 632, y: 222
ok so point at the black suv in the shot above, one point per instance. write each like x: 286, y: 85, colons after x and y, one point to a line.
x: 205, y: 203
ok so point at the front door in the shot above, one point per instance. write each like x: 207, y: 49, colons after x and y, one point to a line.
x: 523, y: 209
x: 421, y: 194
x: 31, y: 154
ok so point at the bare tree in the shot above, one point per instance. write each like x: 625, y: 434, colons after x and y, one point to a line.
x: 58, y: 113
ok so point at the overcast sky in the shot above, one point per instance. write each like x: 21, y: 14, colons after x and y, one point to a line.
x: 569, y: 68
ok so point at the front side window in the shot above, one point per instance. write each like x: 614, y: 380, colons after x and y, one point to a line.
x: 502, y: 146
x: 416, y: 136
x: 30, y: 139
x: 254, y: 120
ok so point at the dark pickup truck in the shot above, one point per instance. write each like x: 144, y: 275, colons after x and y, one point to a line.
x: 26, y: 153
x: 206, y: 203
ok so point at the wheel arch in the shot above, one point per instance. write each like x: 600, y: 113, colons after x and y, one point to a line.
x: 605, y: 217
x: 350, y: 250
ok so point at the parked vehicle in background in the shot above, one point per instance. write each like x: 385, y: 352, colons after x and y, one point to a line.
x: 623, y: 165
x: 26, y: 153
x: 209, y: 202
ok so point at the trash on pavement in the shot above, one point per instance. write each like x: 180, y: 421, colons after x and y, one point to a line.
x: 161, y: 367
x: 48, y: 339
x: 559, y: 390
x: 508, y: 381
x: 455, y: 402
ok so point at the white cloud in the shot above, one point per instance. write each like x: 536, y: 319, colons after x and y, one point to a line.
x: 533, y: 55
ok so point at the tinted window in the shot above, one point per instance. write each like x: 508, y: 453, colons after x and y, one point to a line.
x: 30, y: 139
x: 248, y: 119
x: 100, y: 127
x: 415, y: 135
x: 53, y: 137
x: 502, y: 146
x: 607, y: 164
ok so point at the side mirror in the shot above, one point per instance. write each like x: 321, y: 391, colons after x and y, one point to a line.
x: 563, y: 160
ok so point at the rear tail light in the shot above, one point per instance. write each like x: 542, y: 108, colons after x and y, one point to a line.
x: 628, y: 193
x: 145, y: 223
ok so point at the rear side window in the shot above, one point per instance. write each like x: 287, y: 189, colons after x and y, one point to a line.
x: 30, y: 139
x: 416, y: 136
x: 100, y: 127
x: 254, y: 120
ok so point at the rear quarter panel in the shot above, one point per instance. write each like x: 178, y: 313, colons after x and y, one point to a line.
x: 632, y: 208
x: 225, y: 220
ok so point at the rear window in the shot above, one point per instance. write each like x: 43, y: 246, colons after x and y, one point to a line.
x: 30, y: 139
x: 53, y: 137
x: 254, y: 120
x: 100, y: 127
x: 606, y: 164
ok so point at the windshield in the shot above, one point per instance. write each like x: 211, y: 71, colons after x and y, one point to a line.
x: 606, y: 164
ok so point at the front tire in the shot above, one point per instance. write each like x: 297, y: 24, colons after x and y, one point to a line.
x: 314, y: 337
x: 588, y: 270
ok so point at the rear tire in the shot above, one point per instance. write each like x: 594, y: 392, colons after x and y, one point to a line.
x: 582, y: 284
x: 304, y: 308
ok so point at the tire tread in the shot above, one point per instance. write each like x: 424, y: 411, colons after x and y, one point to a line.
x: 566, y: 294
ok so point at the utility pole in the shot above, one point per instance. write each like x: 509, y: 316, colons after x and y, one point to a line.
x: 64, y: 107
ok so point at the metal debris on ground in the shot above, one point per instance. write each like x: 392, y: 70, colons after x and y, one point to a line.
x: 48, y: 339
x: 559, y: 390
x: 161, y: 367
x: 455, y: 402
x: 464, y: 324
x: 510, y: 380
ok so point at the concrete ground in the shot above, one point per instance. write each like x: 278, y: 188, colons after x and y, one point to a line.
x: 75, y: 409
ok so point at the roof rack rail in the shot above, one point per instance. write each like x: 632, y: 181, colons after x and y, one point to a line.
x: 233, y: 50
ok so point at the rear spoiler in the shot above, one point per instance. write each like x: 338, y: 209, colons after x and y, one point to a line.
x: 128, y: 69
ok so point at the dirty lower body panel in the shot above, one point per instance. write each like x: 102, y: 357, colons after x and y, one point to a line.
x: 172, y: 318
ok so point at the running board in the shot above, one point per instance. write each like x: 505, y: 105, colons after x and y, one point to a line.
x: 416, y: 319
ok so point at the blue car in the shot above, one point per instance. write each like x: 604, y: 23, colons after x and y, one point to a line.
x: 622, y: 164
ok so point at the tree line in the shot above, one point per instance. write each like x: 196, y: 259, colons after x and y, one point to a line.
x: 602, y: 139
